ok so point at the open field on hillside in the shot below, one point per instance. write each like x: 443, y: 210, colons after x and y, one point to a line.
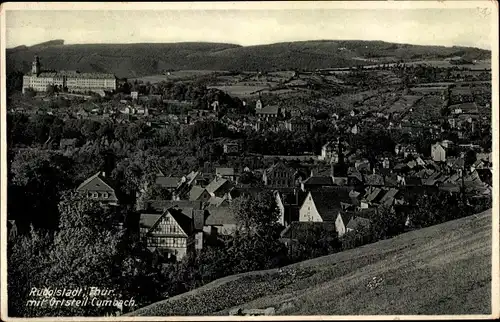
x: 175, y: 76
x: 427, y: 109
x: 241, y: 90
x: 481, y: 64
x: 444, y: 269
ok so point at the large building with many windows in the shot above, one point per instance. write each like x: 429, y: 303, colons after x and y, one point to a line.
x: 69, y: 81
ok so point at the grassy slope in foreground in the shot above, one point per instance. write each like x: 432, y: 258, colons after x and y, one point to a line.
x: 444, y: 269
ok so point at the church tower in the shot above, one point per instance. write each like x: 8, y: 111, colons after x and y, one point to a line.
x: 35, y: 67
x: 258, y: 105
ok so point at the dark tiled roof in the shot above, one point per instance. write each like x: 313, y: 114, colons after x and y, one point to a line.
x: 215, y: 185
x: 224, y: 171
x: 184, y: 220
x: 216, y: 201
x: 389, y: 197
x: 346, y: 216
x: 279, y: 165
x: 328, y: 201
x: 485, y: 175
x: 73, y: 74
x: 97, y: 182
x: 220, y: 216
x: 270, y: 109
x: 167, y: 182
x: 161, y: 205
x: 372, y: 194
x: 195, y: 192
x: 319, y: 181
x: 148, y: 220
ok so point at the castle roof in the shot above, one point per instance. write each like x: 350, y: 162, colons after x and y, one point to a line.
x: 72, y: 74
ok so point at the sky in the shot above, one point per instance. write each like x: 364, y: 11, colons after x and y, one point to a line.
x: 437, y: 26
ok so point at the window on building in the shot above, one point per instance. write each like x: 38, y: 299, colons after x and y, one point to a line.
x: 95, y: 195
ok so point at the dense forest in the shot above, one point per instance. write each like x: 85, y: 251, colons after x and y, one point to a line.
x: 150, y: 59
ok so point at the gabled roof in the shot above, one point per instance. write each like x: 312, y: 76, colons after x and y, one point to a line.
x: 353, y: 172
x: 319, y: 181
x: 412, y: 164
x: 96, y: 183
x: 269, y: 109
x: 191, y: 176
x: 224, y: 171
x: 184, y: 220
x: 149, y: 220
x: 454, y: 178
x: 196, y: 192
x: 216, y: 201
x: 278, y: 165
x: 372, y: 194
x: 218, y: 216
x: 485, y: 175
x: 167, y: 182
x: 215, y: 185
x: 162, y: 205
x: 345, y: 216
x: 328, y: 201
x: 389, y: 197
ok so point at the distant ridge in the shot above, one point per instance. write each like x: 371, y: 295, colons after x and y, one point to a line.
x: 141, y: 59
x: 56, y: 42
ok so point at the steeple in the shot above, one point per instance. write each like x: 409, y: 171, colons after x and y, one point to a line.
x: 35, y: 67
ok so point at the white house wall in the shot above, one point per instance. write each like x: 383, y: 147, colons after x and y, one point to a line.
x: 308, y: 211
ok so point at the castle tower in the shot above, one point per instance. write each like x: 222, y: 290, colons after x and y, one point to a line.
x: 35, y: 66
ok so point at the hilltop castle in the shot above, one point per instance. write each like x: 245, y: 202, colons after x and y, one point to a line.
x: 70, y: 81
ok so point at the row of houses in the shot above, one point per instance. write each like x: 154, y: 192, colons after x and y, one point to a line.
x: 199, y: 207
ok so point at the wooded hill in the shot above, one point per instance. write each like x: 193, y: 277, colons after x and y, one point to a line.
x: 135, y: 60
